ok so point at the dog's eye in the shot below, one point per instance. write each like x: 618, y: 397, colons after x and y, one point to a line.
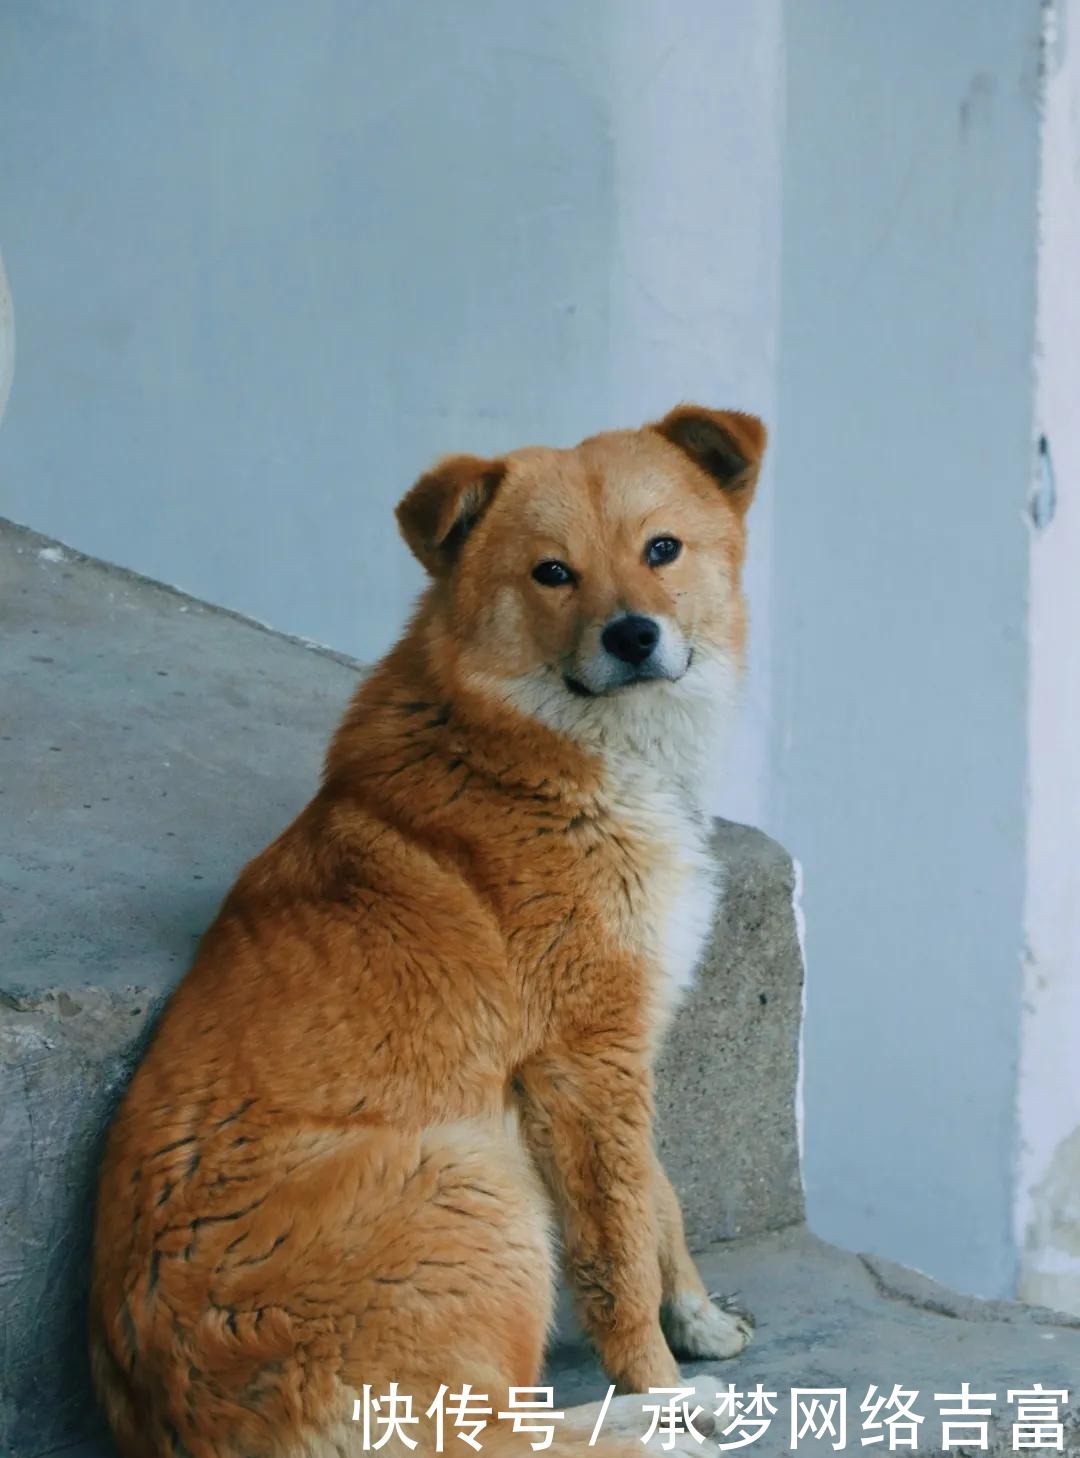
x: 661, y: 550
x: 552, y: 574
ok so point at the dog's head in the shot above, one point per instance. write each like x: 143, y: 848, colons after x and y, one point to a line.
x: 600, y: 582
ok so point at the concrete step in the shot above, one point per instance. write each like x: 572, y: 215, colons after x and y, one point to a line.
x: 150, y: 744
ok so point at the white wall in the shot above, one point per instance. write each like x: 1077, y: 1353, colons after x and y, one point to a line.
x: 901, y: 571
x: 1048, y: 1192
x: 270, y: 259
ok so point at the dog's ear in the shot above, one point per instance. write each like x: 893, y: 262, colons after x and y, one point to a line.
x: 442, y: 508
x: 727, y: 444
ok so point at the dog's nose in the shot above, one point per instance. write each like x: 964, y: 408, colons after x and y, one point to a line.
x: 631, y: 638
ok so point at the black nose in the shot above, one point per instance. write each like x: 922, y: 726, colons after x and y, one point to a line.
x: 631, y: 638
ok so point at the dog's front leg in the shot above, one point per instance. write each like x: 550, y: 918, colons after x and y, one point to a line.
x: 697, y: 1324
x: 587, y: 1115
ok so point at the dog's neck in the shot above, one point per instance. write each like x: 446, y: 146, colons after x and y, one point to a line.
x: 532, y: 734
x: 666, y: 734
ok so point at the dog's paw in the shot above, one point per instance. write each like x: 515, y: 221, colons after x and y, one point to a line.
x: 698, y: 1327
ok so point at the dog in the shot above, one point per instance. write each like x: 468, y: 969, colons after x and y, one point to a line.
x: 419, y: 1033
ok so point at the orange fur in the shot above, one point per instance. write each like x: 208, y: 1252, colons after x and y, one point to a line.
x: 420, y: 1030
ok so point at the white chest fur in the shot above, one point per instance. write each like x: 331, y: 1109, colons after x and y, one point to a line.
x: 655, y: 743
x: 692, y: 908
x: 671, y: 915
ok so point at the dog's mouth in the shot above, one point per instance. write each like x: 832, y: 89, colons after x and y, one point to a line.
x: 577, y: 687
x: 583, y: 691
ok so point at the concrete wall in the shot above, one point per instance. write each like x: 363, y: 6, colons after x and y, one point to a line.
x: 270, y: 259
x: 1048, y: 1192
x: 901, y: 571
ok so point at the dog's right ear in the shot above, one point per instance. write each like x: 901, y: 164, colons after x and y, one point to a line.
x: 726, y: 444
x: 442, y: 508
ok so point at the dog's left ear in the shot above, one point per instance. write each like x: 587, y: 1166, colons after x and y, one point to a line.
x: 442, y: 508
x: 727, y: 444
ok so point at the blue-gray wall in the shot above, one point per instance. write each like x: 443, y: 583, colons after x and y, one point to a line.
x: 908, y: 312
x: 269, y: 259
